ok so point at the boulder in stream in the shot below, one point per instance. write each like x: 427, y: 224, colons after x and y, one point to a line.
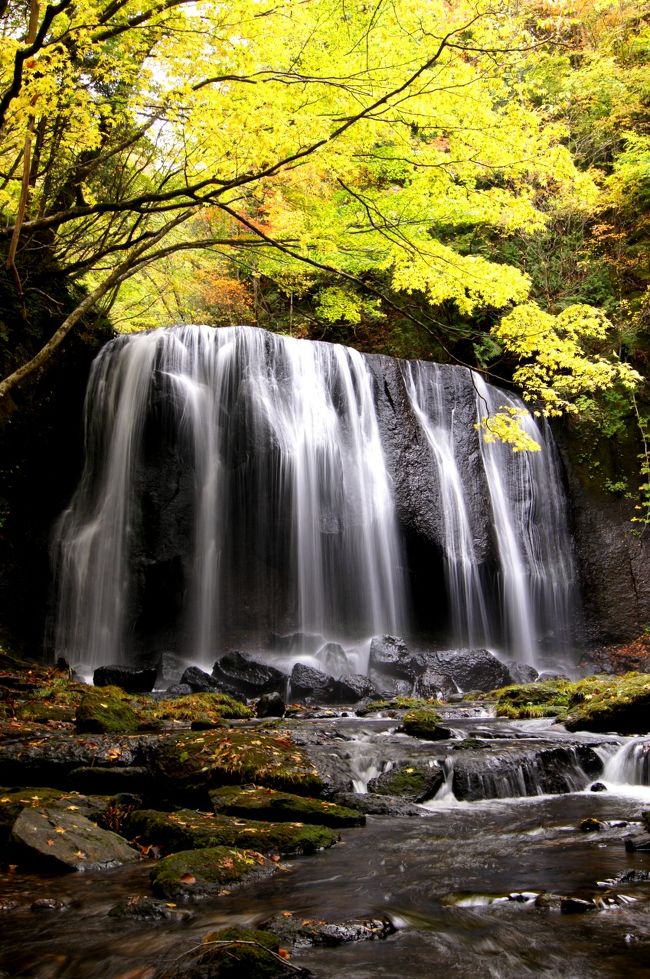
x: 69, y: 841
x: 297, y: 931
x: 188, y: 829
x: 415, y: 783
x: 196, y: 874
x: 263, y: 803
x: 236, y: 672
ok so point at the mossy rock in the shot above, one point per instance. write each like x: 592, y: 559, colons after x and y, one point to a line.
x: 194, y: 762
x: 235, y: 953
x: 12, y: 803
x: 423, y: 722
x: 417, y: 784
x: 610, y: 703
x: 200, y: 708
x: 196, y: 874
x: 187, y: 829
x: 106, y: 710
x: 280, y: 807
x: 645, y: 816
x: 525, y: 700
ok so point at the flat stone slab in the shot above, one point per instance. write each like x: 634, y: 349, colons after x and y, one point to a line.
x: 70, y: 840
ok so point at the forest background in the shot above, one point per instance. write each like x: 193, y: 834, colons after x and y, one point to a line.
x: 465, y: 182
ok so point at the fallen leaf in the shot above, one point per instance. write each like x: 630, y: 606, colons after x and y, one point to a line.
x: 188, y: 879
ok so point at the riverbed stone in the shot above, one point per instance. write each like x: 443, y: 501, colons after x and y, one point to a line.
x: 49, y: 759
x: 196, y: 874
x: 12, y: 803
x: 69, y: 841
x: 297, y: 931
x: 141, y: 907
x: 196, y: 762
x: 269, y: 804
x: 415, y: 783
x: 188, y: 829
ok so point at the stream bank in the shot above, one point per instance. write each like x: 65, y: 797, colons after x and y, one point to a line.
x: 512, y: 867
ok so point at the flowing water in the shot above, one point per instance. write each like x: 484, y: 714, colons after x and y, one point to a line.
x: 238, y: 484
x: 459, y: 880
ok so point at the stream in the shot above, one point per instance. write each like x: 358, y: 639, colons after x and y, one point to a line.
x: 458, y: 879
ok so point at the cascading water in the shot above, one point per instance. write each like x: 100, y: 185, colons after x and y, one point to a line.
x: 282, y: 441
x: 535, y: 556
x: 239, y: 483
x: 437, y: 417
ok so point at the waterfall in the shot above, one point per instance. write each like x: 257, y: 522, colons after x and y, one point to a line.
x: 630, y: 765
x: 535, y: 555
x: 247, y: 490
x: 293, y: 517
x: 437, y: 417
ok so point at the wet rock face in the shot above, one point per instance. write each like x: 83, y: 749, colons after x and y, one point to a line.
x: 515, y: 772
x: 469, y: 669
x: 396, y: 670
x: 613, y: 560
x: 235, y: 672
x: 312, y: 685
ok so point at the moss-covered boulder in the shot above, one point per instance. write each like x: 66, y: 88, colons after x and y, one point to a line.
x: 191, y: 830
x: 423, y: 722
x: 195, y: 874
x: 106, y: 710
x: 545, y: 699
x: 196, y: 762
x: 234, y: 953
x: 263, y: 803
x: 411, y: 782
x: 605, y: 703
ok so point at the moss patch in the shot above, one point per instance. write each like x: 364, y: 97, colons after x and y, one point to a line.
x: 196, y: 874
x: 200, y: 761
x: 421, y: 723
x: 531, y: 699
x: 234, y: 953
x: 199, y: 707
x: 394, y: 704
x: 106, y: 710
x: 269, y: 804
x: 190, y: 830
